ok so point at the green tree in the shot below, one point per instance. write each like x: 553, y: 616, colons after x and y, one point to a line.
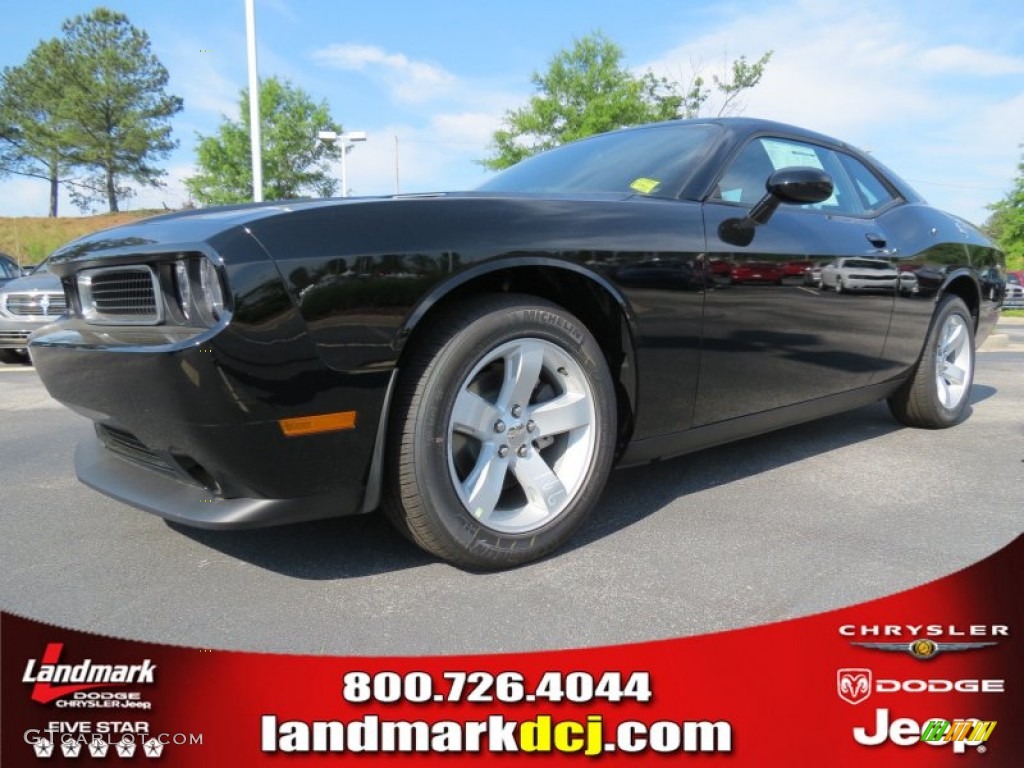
x: 33, y: 119
x: 117, y: 107
x: 698, y: 96
x: 1006, y: 224
x: 587, y: 89
x: 294, y: 161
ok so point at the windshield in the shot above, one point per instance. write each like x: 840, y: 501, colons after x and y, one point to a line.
x: 653, y: 161
x: 865, y: 264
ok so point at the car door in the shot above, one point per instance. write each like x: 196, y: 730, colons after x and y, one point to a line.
x: 767, y: 346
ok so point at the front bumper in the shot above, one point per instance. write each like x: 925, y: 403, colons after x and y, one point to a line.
x: 190, y: 504
x: 192, y: 428
x: 14, y: 333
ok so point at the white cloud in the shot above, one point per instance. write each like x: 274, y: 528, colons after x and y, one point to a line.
x: 409, y: 80
x: 197, y: 75
x: 964, y: 60
x: 430, y: 158
x: 475, y: 128
x: 282, y: 8
x: 171, y: 195
x: 882, y: 82
x: 835, y: 73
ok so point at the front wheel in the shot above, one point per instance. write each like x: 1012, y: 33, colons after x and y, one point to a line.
x: 503, y: 432
x: 938, y: 393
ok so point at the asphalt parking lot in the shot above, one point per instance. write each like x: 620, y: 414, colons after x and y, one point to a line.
x: 815, y: 517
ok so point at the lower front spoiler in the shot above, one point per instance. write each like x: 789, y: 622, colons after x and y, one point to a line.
x: 192, y: 505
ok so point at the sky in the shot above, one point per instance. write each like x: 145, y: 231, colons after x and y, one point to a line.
x: 934, y: 90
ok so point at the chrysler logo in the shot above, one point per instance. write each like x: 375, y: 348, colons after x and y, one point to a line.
x: 923, y: 648
x: 44, y: 303
x: 853, y: 685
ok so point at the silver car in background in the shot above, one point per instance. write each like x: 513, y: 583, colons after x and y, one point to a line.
x: 27, y: 303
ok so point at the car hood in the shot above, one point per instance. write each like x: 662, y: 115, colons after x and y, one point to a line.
x: 38, y: 281
x: 187, y: 230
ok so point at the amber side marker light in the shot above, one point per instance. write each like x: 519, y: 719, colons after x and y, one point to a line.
x: 311, y: 425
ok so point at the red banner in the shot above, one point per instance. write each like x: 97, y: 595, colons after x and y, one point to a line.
x: 928, y: 677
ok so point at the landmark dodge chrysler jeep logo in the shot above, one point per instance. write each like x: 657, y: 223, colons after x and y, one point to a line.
x: 79, y: 677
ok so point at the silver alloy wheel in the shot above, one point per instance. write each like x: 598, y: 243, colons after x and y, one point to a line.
x: 953, y: 362
x: 522, y: 435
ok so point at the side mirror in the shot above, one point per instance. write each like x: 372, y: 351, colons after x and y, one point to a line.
x: 796, y: 186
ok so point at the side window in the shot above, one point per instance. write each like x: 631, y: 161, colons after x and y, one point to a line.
x: 872, y: 192
x: 744, y: 180
x: 6, y: 270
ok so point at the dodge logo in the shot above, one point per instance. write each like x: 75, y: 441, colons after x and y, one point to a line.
x: 853, y: 685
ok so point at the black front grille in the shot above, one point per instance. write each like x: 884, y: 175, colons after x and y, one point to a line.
x: 120, y: 295
x: 128, y: 446
x: 124, y: 292
x: 41, y: 305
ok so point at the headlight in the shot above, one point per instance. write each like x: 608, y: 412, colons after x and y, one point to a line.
x: 183, y: 288
x: 198, y: 290
x: 213, y: 294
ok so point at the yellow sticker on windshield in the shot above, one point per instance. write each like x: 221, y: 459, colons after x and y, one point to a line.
x: 644, y: 186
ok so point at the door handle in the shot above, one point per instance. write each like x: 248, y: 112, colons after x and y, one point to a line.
x: 876, y: 239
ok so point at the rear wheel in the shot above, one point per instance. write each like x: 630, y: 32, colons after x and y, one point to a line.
x: 503, y: 432
x: 938, y: 393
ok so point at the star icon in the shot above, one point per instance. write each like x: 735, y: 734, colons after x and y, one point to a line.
x: 154, y: 748
x: 71, y: 748
x: 125, y: 748
x: 98, y: 747
x: 43, y: 748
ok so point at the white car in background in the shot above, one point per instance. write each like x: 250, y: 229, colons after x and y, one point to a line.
x: 1014, y: 297
x: 856, y: 274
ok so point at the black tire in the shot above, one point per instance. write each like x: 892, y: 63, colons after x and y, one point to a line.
x: 14, y: 357
x: 464, y: 357
x: 933, y: 397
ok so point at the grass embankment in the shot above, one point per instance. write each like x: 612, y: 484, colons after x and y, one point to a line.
x: 30, y: 239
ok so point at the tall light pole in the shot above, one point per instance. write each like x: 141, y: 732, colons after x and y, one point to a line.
x: 346, y: 141
x: 254, y: 103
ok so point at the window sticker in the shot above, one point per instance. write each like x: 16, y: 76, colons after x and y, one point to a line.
x: 783, y: 154
x: 644, y: 186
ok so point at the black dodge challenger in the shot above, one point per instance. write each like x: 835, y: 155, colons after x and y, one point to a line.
x: 474, y: 363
